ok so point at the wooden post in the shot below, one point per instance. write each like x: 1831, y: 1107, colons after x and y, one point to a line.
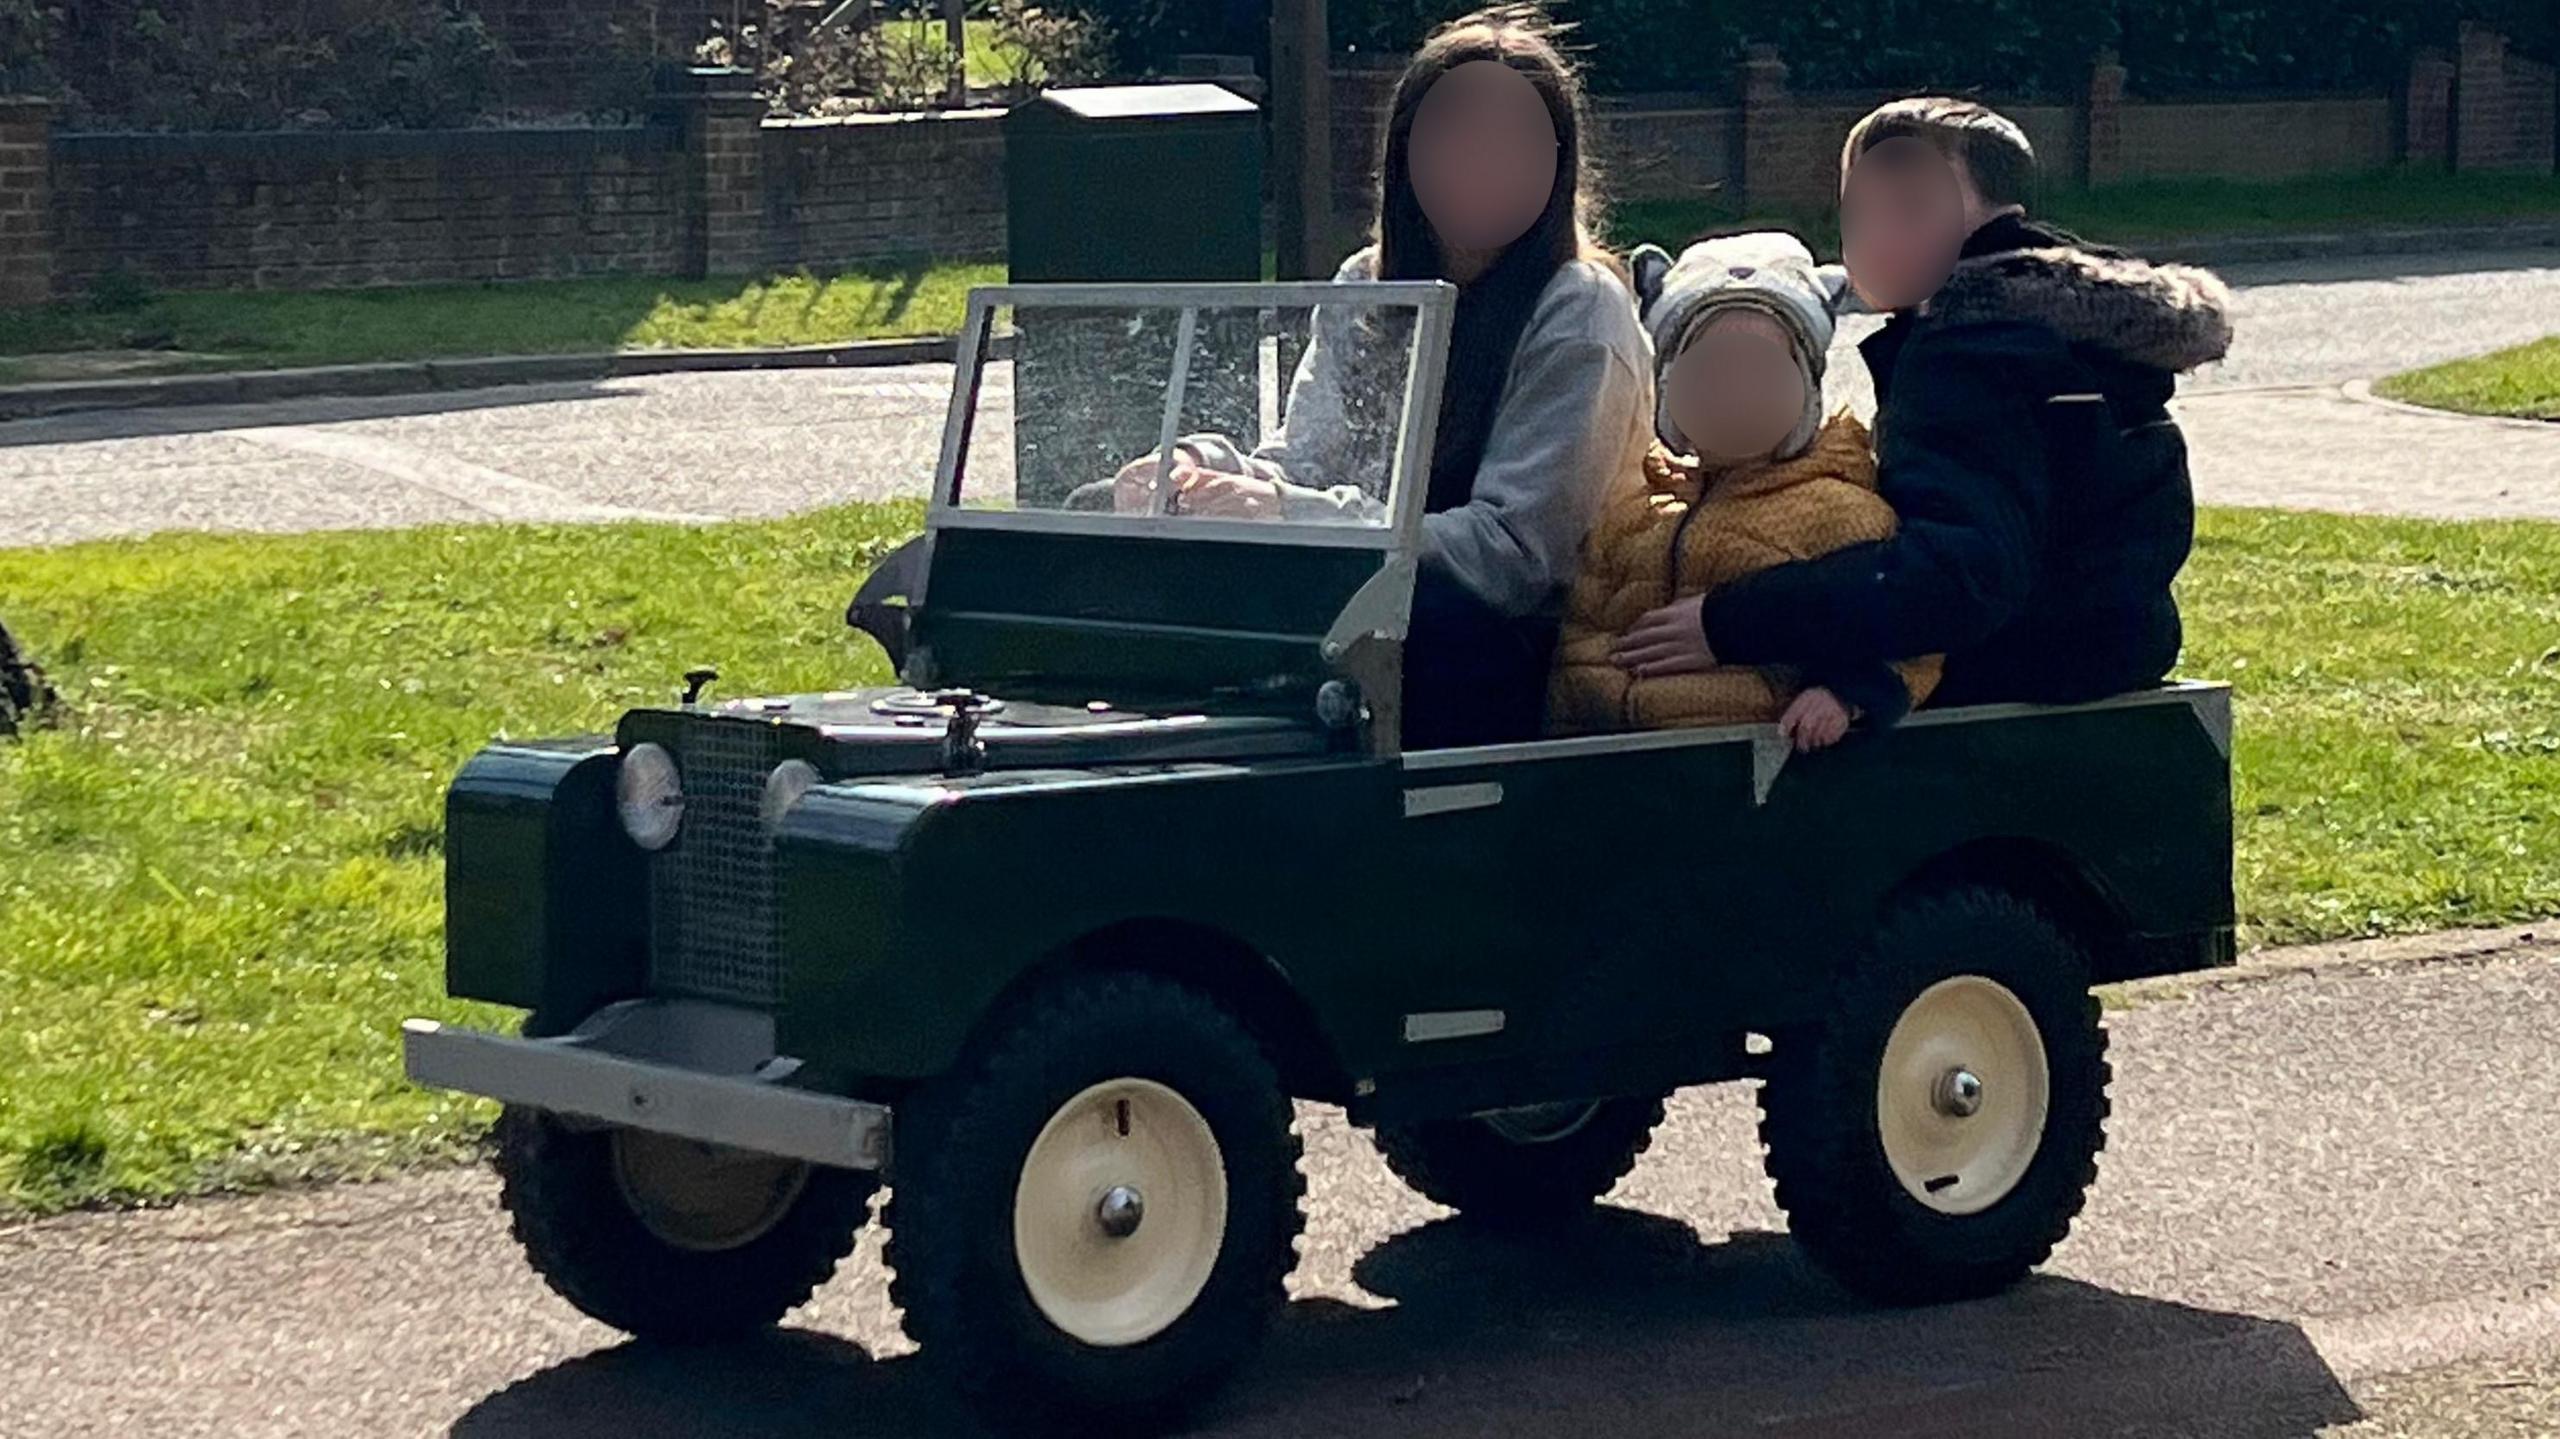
x: 1302, y: 139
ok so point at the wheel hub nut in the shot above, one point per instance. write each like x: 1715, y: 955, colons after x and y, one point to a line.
x: 1959, y: 1093
x: 1120, y: 1210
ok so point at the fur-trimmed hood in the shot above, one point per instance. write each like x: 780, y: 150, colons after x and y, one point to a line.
x: 2166, y: 317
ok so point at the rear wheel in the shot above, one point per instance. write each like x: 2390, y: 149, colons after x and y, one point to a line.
x: 671, y: 1239
x: 1936, y: 1137
x: 1092, y: 1217
x: 1523, y: 1165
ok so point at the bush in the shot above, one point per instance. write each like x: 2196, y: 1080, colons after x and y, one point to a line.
x: 1050, y: 47
x: 331, y: 64
x: 900, y: 60
x: 2006, y: 46
x: 27, y: 40
x: 1145, y: 35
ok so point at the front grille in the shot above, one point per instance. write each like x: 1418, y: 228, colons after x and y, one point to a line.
x: 713, y: 929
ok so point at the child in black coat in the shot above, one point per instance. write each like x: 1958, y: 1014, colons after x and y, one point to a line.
x: 2023, y: 436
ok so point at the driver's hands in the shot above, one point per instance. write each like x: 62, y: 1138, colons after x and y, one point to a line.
x: 1816, y: 720
x: 1227, y: 497
x: 1196, y: 491
x: 1133, y: 489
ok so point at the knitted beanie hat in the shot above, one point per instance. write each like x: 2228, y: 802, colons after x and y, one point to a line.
x: 1770, y: 272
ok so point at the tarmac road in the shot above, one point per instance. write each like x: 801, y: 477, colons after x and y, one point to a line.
x: 2332, y: 1198
x: 771, y: 442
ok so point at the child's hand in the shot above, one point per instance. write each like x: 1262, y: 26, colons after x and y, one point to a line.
x: 1670, y: 641
x: 1816, y: 720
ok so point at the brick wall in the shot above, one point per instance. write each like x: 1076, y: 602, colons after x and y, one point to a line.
x: 715, y: 188
x: 26, y: 242
x: 1671, y: 148
x: 841, y: 191
x: 2269, y: 139
x: 2502, y: 106
x: 2533, y: 114
x: 211, y: 211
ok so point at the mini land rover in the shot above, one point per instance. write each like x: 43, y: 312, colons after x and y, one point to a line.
x: 1049, y: 938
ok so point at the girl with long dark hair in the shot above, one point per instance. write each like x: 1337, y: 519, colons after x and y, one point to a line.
x: 1484, y: 182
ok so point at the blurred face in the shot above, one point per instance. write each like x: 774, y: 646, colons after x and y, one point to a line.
x: 1736, y: 390
x: 1905, y: 211
x: 1483, y: 156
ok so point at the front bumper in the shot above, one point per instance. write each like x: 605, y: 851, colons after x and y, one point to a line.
x: 681, y: 1067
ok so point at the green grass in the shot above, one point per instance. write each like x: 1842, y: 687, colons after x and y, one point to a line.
x: 992, y: 63
x: 223, y: 887
x: 2152, y: 211
x: 261, y: 329
x: 2522, y: 383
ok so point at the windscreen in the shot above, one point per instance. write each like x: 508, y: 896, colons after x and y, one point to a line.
x: 1166, y: 414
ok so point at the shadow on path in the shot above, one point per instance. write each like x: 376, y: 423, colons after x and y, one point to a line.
x: 1626, y: 1326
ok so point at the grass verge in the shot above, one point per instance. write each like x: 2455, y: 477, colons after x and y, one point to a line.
x: 275, y: 329
x: 222, y: 891
x: 2522, y: 383
x: 137, y: 333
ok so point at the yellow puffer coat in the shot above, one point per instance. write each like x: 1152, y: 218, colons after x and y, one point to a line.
x: 1744, y: 521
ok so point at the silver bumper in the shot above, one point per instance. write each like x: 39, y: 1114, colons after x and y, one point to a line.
x: 680, y: 1067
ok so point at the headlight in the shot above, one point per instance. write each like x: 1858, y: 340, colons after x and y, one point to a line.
x: 649, y: 795
x: 790, y: 780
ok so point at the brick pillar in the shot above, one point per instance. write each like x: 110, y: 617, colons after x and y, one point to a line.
x: 1361, y: 95
x: 2426, y: 110
x: 2484, y: 136
x: 722, y: 121
x: 1768, y: 175
x: 2102, y: 143
x: 26, y: 200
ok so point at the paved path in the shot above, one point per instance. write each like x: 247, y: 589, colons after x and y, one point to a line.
x: 771, y: 442
x: 2318, y: 1180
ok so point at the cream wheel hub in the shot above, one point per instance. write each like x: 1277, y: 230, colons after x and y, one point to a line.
x: 1962, y: 1095
x: 703, y: 1197
x: 1120, y: 1212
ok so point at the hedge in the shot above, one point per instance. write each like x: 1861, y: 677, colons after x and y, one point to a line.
x: 2012, y: 47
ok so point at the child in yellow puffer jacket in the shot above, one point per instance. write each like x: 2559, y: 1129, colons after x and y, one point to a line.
x: 1746, y: 474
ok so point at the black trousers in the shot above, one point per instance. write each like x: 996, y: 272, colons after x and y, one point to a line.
x: 1472, y: 675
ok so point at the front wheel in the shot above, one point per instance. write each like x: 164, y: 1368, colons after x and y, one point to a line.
x: 1091, y: 1219
x: 667, y: 1238
x: 1934, y: 1139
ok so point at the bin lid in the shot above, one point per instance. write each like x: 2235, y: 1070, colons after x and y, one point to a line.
x: 1134, y: 102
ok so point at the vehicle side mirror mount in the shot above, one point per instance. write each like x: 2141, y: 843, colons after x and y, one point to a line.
x: 883, y: 606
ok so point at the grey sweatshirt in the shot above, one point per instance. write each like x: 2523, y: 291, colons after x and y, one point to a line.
x: 1576, y: 411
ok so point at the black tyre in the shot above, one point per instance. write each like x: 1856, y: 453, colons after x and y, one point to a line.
x: 1936, y: 1137
x: 1091, y: 1219
x: 671, y: 1240
x: 1523, y: 1165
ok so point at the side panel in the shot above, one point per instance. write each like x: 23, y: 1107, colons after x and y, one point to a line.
x: 905, y: 916
x: 545, y: 899
x: 1487, y: 927
x: 1677, y: 906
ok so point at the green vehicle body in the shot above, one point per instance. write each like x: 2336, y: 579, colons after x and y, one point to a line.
x: 1197, y: 773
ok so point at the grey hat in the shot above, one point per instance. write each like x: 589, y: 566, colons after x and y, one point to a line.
x: 1769, y: 271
